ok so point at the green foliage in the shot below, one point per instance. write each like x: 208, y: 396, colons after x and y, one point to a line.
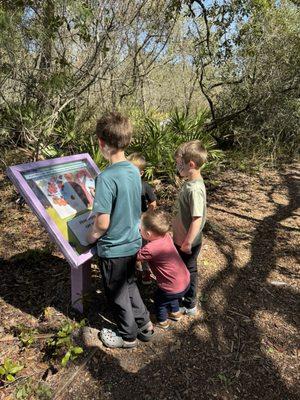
x: 31, y: 389
x: 269, y: 49
x: 74, y: 133
x: 224, y: 379
x: 8, y: 370
x: 23, y: 392
x: 62, y: 345
x: 59, y: 70
x: 158, y: 141
x: 44, y: 392
x: 71, y: 354
x: 26, y: 335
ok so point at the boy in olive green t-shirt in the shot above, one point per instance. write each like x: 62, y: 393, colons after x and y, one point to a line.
x: 191, y: 215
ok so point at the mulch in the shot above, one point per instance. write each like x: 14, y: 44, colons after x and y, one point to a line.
x: 244, y: 344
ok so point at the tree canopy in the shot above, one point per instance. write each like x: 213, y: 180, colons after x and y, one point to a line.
x: 64, y: 62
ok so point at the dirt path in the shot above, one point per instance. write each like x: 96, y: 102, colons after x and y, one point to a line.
x: 243, y: 345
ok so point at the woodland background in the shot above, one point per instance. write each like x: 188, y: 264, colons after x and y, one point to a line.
x: 222, y: 71
x: 226, y: 72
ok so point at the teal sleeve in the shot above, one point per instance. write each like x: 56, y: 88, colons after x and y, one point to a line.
x: 104, y: 196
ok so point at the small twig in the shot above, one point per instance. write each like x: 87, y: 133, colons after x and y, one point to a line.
x: 241, y: 315
x: 106, y: 319
x: 14, y: 339
x: 238, y: 347
x: 19, y: 379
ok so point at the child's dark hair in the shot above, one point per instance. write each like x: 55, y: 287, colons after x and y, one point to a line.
x: 156, y: 221
x: 115, y: 130
x: 192, y: 151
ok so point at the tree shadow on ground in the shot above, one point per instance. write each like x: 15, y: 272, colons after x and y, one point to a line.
x: 35, y: 279
x: 226, y: 354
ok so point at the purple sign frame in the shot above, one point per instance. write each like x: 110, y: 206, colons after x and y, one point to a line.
x: 15, y: 175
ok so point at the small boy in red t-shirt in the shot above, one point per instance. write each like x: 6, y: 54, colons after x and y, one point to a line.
x: 172, y: 276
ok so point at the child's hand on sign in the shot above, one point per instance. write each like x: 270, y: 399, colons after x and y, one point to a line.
x: 138, y: 266
x: 92, y: 191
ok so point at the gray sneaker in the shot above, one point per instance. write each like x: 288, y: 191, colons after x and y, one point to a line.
x: 190, y: 312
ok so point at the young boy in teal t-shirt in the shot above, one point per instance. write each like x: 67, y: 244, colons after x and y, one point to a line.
x: 116, y: 229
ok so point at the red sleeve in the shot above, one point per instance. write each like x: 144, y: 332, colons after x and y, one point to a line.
x: 144, y: 254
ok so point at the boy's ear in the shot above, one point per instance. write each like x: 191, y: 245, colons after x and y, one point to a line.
x: 101, y: 143
x: 192, y: 165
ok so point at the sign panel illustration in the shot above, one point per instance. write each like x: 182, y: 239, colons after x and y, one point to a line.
x: 60, y: 192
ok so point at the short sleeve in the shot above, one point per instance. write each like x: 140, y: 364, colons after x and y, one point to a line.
x: 150, y: 195
x: 196, y: 203
x: 144, y: 254
x: 104, y: 196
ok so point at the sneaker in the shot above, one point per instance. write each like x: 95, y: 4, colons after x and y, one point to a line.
x: 146, y: 278
x: 163, y: 325
x: 146, y: 332
x: 175, y: 316
x: 190, y: 312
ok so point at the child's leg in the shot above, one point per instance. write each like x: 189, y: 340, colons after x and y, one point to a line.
x: 174, y: 305
x: 118, y: 288
x: 174, y: 301
x: 190, y: 260
x: 161, y: 303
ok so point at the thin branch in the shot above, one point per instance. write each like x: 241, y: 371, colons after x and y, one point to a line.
x: 225, y: 83
x: 204, y: 10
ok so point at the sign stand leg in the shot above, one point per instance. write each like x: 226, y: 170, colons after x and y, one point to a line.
x: 80, y: 285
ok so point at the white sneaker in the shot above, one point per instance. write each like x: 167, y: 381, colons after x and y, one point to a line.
x: 190, y: 312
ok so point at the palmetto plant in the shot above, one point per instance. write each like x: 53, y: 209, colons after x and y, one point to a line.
x: 157, y: 142
x: 154, y: 142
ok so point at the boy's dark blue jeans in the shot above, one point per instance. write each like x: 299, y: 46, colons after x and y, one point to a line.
x: 165, y: 302
x: 190, y: 260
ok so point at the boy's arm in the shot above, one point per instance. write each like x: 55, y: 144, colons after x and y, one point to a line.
x: 191, y: 235
x: 102, y: 207
x: 144, y: 254
x: 100, y: 226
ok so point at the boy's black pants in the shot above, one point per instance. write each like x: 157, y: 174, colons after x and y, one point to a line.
x: 123, y: 295
x: 190, y: 260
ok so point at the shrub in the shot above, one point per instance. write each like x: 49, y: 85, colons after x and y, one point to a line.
x: 157, y: 141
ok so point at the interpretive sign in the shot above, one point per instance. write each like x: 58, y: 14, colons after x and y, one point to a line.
x: 60, y: 192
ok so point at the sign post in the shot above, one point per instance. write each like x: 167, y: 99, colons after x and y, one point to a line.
x: 80, y: 285
x: 60, y: 192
